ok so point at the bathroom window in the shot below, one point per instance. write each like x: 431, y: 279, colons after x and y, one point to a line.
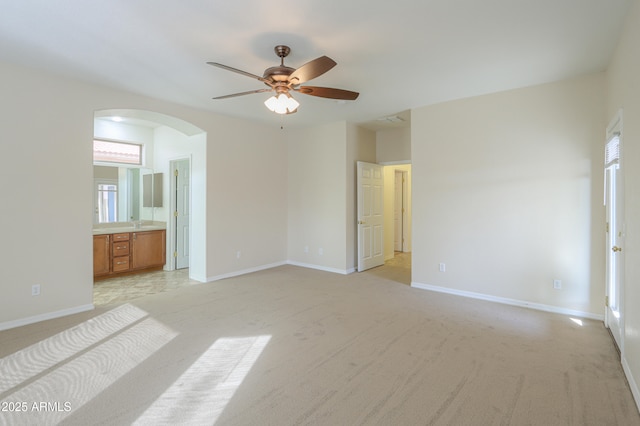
x: 116, y: 152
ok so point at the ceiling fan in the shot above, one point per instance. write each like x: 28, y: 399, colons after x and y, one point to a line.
x: 282, y: 79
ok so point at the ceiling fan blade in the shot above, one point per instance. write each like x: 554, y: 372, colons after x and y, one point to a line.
x: 243, y: 93
x: 311, y: 70
x: 328, y: 92
x: 248, y: 74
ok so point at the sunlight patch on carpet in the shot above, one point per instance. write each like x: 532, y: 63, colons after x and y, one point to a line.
x: 200, y: 395
x: 37, y: 358
x: 54, y: 378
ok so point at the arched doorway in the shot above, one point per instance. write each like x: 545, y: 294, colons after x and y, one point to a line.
x: 166, y: 141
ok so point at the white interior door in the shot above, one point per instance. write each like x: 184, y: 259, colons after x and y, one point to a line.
x: 614, y: 314
x: 614, y: 310
x: 370, y: 188
x: 398, y: 233
x: 181, y: 214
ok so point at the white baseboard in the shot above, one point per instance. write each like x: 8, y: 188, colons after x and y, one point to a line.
x: 273, y: 265
x: 245, y: 271
x: 200, y: 278
x: 507, y: 301
x: 321, y: 268
x: 43, y: 317
x: 635, y: 391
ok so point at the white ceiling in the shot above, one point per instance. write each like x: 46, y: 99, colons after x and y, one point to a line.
x: 399, y: 55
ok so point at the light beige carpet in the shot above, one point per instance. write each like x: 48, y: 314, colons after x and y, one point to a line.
x: 292, y: 346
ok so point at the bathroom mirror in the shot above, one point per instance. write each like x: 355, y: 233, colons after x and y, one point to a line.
x: 152, y: 190
x: 120, y: 193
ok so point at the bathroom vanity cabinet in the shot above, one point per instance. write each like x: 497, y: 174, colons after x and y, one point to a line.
x: 128, y: 252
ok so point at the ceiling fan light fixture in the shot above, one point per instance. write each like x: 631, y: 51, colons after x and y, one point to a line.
x: 283, y: 79
x: 282, y: 104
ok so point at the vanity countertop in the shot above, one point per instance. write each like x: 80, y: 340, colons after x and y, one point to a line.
x: 128, y: 227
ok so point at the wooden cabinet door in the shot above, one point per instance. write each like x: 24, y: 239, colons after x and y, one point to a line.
x: 148, y: 249
x: 101, y: 249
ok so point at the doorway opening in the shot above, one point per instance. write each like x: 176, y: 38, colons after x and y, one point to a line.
x: 398, y: 251
x: 396, y: 232
x: 166, y: 142
x: 400, y: 211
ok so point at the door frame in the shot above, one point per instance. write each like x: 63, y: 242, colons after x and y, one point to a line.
x: 405, y: 211
x: 404, y: 206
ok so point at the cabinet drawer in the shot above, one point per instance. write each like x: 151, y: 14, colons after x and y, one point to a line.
x: 120, y: 263
x: 120, y: 248
x: 121, y: 237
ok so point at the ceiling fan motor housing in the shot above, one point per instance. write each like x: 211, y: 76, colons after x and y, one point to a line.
x: 280, y: 72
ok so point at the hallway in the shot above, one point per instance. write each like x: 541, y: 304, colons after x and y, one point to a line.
x: 397, y: 269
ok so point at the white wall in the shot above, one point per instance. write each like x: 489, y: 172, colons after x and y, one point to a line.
x: 322, y: 194
x: 317, y: 196
x: 49, y: 122
x: 393, y: 145
x: 623, y: 89
x: 199, y: 242
x: 47, y: 155
x: 246, y: 206
x: 507, y: 192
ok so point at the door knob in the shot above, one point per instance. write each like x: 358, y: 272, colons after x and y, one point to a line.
x: 616, y: 248
x: 361, y: 222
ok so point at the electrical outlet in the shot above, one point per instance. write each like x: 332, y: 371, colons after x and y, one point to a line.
x: 557, y: 284
x: 442, y: 267
x: 35, y: 290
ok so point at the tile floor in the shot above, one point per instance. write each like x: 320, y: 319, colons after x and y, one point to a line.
x: 123, y: 289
